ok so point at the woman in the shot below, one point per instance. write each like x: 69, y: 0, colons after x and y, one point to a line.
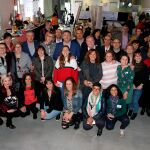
x: 8, y: 101
x: 66, y: 66
x: 94, y: 112
x: 28, y: 96
x: 96, y: 34
x: 72, y: 98
x: 43, y: 68
x: 49, y: 44
x: 51, y: 103
x: 91, y: 72
x: 109, y: 69
x: 125, y: 79
x: 144, y: 101
x: 140, y: 78
x: 21, y: 64
x: 116, y: 109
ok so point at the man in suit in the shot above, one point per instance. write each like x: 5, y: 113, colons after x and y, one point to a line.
x: 30, y: 45
x: 74, y: 46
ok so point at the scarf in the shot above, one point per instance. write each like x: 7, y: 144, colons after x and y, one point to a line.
x: 94, y: 104
x: 114, y: 101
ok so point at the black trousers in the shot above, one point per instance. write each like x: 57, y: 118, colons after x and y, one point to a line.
x: 32, y: 108
x: 124, y: 119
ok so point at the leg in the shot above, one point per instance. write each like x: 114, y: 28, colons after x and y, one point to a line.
x: 124, y: 121
x: 76, y: 120
x: 110, y: 124
x: 9, y: 124
x: 34, y: 110
x: 52, y: 114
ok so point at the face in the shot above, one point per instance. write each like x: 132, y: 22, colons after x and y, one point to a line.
x: 109, y: 57
x: 28, y: 80
x: 8, y: 40
x: 124, y: 60
x: 7, y: 82
x: 107, y: 40
x: 65, y: 52
x: 92, y: 56
x: 125, y: 29
x: 138, y: 58
x: 116, y: 44
x: 18, y: 49
x: 138, y: 32
x: 79, y: 34
x: 49, y: 37
x: 2, y: 50
x: 69, y: 85
x: 30, y: 37
x: 97, y: 34
x: 40, y: 52
x: 114, y: 91
x: 66, y: 37
x: 96, y: 90
x: 90, y: 42
x: 49, y: 85
x: 135, y: 46
x: 58, y: 34
x: 129, y: 50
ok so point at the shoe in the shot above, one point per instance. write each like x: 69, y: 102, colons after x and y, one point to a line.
x: 11, y: 126
x: 148, y: 112
x: 76, y: 125
x: 99, y: 132
x: 34, y: 116
x: 58, y: 117
x: 122, y: 134
x: 142, y: 111
x: 1, y: 121
x: 130, y: 113
x: 134, y: 115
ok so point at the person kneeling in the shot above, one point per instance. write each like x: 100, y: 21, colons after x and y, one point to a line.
x: 94, y: 112
x: 116, y: 109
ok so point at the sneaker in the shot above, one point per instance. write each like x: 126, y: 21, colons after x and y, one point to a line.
x: 130, y: 113
x: 122, y: 133
x: 134, y: 115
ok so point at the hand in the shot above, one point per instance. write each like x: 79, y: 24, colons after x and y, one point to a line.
x: 23, y: 109
x: 132, y: 67
x: 110, y: 116
x: 42, y: 79
x: 125, y: 95
x: 86, y: 83
x: 11, y: 110
x: 37, y: 105
x: 90, y: 120
x: 65, y: 116
x: 43, y: 114
x: 140, y: 87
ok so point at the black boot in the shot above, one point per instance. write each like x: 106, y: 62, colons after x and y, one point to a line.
x: 142, y: 111
x: 35, y: 116
x: 134, y: 115
x: 58, y: 117
x: 99, y: 132
x: 11, y: 126
x: 148, y: 112
x: 76, y: 125
x: 130, y: 113
x: 1, y: 121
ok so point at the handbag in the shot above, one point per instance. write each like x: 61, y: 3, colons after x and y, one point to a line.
x: 11, y: 102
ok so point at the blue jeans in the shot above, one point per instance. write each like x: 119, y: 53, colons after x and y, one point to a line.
x: 135, y: 100
x: 52, y: 114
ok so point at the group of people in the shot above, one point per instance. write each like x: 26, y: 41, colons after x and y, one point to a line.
x: 89, y: 78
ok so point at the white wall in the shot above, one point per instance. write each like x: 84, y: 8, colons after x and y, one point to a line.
x: 6, y: 7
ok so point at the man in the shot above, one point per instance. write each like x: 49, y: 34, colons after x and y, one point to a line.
x: 74, y: 47
x: 105, y: 47
x: 58, y: 34
x: 30, y: 45
x: 117, y: 49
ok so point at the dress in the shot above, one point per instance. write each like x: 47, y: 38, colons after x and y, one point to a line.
x: 125, y: 81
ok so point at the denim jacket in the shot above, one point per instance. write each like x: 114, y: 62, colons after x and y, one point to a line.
x: 76, y: 102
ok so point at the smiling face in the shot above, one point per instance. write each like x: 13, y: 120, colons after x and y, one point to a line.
x: 124, y: 61
x: 109, y: 57
x: 138, y: 58
x: 96, y: 90
x: 65, y: 52
x: 69, y: 85
x: 49, y: 85
x: 17, y: 48
x: 66, y: 37
x: 40, y: 52
x: 114, y: 91
x: 6, y: 82
x: 28, y: 80
x: 2, y: 50
x: 92, y: 56
x: 90, y: 42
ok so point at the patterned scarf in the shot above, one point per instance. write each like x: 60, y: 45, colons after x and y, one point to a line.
x: 114, y: 101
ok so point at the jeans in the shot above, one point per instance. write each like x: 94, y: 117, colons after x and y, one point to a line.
x: 52, y: 114
x: 124, y: 119
x: 135, y: 100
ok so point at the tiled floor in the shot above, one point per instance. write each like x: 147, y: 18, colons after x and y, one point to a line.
x: 36, y: 135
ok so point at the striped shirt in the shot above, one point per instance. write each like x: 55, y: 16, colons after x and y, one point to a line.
x: 109, y: 74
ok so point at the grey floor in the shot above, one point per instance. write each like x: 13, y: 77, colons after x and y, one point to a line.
x: 36, y: 135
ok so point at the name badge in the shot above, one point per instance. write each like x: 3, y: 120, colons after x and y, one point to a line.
x: 119, y: 106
